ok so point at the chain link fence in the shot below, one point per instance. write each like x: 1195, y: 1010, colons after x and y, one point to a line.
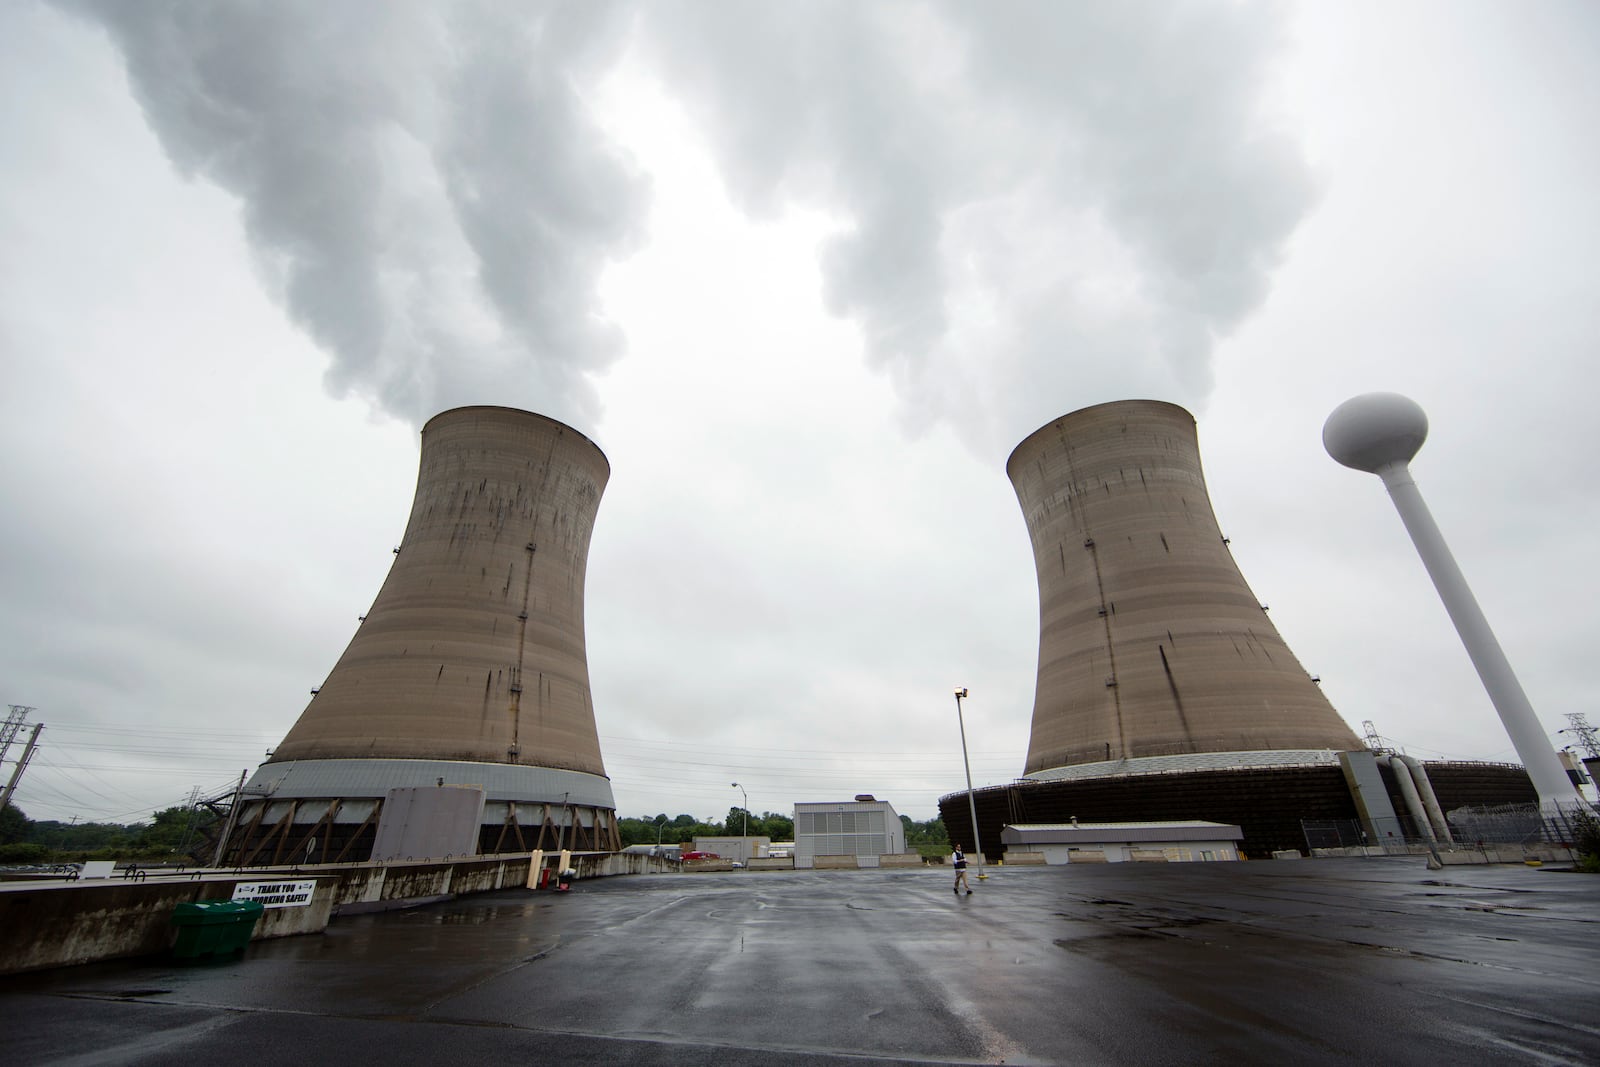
x: 1489, y: 826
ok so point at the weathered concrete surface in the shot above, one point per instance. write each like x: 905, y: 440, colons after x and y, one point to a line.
x: 1334, y: 961
x: 1150, y: 641
x: 1025, y: 859
x: 900, y: 859
x: 64, y: 923
x: 69, y: 923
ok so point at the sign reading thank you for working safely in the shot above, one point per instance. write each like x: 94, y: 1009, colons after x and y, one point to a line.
x: 276, y: 894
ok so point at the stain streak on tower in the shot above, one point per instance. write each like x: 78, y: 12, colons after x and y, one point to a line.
x: 470, y: 665
x: 1152, y: 648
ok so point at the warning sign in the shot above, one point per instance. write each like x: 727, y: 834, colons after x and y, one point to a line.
x: 276, y: 894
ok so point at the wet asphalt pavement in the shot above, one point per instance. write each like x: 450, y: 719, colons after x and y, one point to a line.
x: 1327, y: 961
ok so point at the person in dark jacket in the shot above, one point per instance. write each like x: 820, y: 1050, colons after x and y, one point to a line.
x: 960, y: 861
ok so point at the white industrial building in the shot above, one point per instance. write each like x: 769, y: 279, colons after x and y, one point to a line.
x: 1119, y: 842
x: 864, y: 828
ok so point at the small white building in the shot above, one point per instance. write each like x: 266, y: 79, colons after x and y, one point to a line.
x: 864, y: 828
x: 1119, y: 842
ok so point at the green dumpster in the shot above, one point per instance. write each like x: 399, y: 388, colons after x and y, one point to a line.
x: 214, y: 927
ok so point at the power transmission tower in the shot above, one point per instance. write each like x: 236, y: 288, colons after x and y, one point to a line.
x: 22, y: 764
x: 9, y: 728
x: 1374, y: 742
x: 1588, y: 736
x: 193, y: 804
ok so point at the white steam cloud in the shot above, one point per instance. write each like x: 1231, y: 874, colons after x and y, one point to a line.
x: 1046, y: 205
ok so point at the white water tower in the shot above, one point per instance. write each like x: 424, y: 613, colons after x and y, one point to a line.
x: 1379, y: 433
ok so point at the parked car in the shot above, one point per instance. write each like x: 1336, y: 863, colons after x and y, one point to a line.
x: 701, y: 856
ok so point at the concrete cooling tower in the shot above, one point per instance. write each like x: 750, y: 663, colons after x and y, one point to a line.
x: 469, y: 671
x: 1151, y: 645
x: 1164, y: 692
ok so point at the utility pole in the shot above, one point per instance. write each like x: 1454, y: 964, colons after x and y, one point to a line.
x: 16, y: 775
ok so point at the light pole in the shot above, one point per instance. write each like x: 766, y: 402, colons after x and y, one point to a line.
x: 744, y: 812
x: 659, y: 824
x: 972, y: 807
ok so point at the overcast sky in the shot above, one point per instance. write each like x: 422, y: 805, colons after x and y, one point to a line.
x: 807, y: 273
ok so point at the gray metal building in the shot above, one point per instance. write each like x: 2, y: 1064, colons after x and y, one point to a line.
x: 863, y: 829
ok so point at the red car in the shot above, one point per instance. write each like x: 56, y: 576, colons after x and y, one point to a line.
x: 701, y: 856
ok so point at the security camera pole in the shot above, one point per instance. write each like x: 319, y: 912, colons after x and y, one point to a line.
x: 972, y: 807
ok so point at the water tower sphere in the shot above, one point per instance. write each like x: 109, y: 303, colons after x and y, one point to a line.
x: 1374, y: 430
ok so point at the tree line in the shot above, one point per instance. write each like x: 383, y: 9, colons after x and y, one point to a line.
x: 927, y: 838
x: 169, y: 834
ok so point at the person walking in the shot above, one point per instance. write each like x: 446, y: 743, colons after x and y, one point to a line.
x: 959, y: 859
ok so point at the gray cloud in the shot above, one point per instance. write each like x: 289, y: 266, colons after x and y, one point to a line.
x: 437, y: 203
x: 425, y: 187
x: 1101, y: 175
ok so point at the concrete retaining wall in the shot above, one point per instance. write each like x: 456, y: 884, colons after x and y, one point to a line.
x: 60, y: 925
x: 1024, y: 859
x: 1459, y: 856
x: 834, y: 863
x: 900, y: 859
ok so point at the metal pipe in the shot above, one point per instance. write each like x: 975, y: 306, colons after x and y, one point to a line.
x: 1408, y: 790
x: 1430, y: 800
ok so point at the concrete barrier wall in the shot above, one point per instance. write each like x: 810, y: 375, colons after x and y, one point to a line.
x: 835, y: 863
x: 767, y: 863
x: 1458, y: 856
x: 61, y: 925
x: 1024, y: 859
x: 55, y: 925
x: 900, y: 859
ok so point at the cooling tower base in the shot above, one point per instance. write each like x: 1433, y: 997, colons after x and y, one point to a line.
x: 327, y: 811
x: 1189, y: 761
x: 1268, y: 803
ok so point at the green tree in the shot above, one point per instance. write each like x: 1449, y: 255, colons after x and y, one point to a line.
x: 172, y: 831
x: 82, y: 837
x: 1586, y: 842
x: 14, y: 825
x: 777, y: 826
x: 929, y: 839
x: 22, y: 852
